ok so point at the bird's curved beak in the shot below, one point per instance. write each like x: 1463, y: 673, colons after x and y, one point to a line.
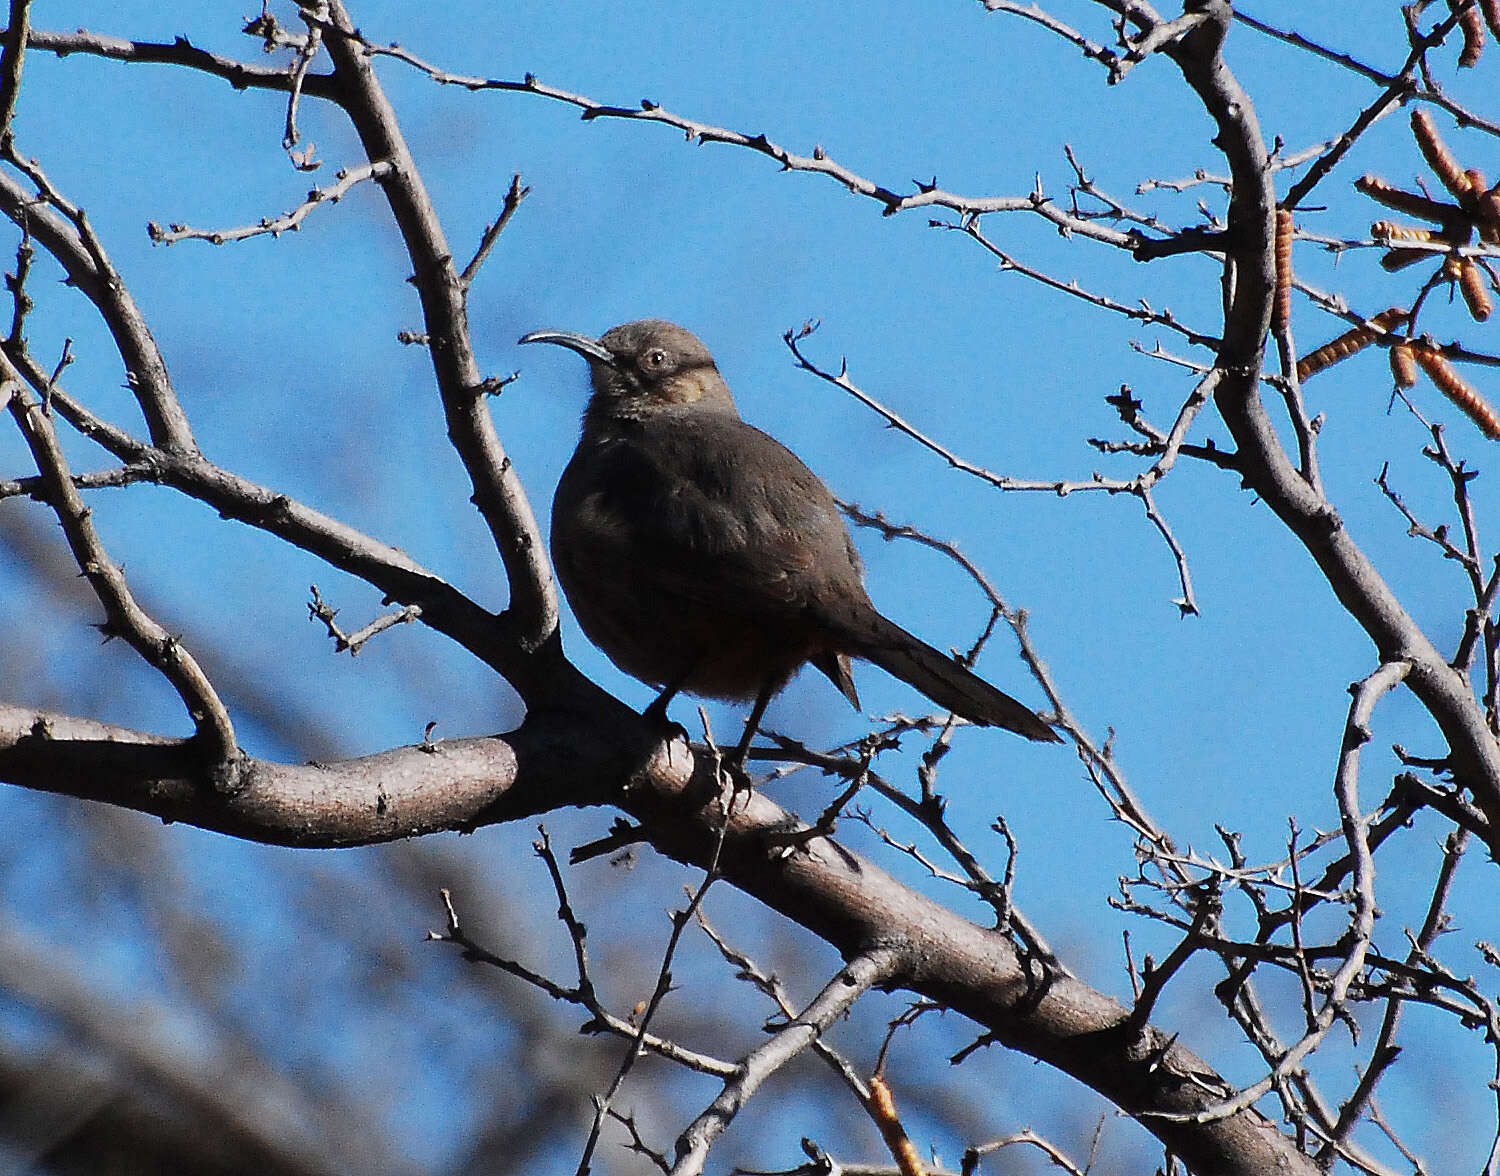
x: 590, y: 349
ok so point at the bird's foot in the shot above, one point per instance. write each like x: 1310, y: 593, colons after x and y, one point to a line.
x: 656, y: 714
x: 790, y: 841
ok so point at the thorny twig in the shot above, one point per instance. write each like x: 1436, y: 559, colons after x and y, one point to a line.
x: 582, y: 993
x: 1140, y: 486
x: 319, y: 609
x: 287, y: 222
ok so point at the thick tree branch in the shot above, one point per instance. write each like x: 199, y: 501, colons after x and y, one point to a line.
x: 401, y: 578
x: 124, y: 617
x: 239, y: 74
x: 556, y: 759
x: 533, y: 610
x: 1268, y: 469
x: 404, y: 792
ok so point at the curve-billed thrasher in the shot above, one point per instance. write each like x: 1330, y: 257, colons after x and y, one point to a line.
x: 702, y: 555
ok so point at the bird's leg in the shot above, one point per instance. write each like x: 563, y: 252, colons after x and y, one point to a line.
x: 657, y: 711
x: 752, y: 724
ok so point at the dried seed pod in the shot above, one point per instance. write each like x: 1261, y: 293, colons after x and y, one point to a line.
x: 1438, y: 157
x: 1463, y: 394
x: 1399, y: 259
x: 1411, y: 203
x: 897, y: 1142
x: 1403, y: 365
x: 1281, y: 308
x: 1471, y: 283
x: 1489, y: 203
x: 1491, y: 11
x: 1488, y: 208
x: 1472, y: 24
x: 1391, y: 231
x: 1347, y: 344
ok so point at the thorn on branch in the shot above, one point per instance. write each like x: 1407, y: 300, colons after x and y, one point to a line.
x: 494, y: 385
x: 622, y: 834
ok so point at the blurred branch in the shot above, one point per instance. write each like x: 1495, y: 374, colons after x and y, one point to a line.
x: 858, y: 976
x: 224, y: 1101
x: 843, y: 898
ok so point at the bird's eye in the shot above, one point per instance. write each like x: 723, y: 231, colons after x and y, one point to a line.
x: 654, y: 360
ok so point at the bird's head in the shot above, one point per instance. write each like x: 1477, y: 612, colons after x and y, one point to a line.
x: 643, y: 366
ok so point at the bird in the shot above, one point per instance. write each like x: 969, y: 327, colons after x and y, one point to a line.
x: 702, y: 556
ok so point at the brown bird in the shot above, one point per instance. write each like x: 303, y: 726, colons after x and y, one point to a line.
x: 701, y: 555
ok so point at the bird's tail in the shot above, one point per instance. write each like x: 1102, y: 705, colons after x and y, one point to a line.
x: 948, y: 683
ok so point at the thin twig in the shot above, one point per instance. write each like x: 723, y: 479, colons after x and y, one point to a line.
x: 856, y: 978
x: 517, y: 193
x: 287, y: 222
x: 663, y: 985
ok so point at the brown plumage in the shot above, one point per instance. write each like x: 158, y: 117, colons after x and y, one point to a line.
x: 701, y: 555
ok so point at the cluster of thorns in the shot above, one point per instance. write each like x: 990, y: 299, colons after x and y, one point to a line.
x: 1473, y: 210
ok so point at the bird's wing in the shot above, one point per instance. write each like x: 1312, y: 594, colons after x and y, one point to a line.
x: 726, y: 514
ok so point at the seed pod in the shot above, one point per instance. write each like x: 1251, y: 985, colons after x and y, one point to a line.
x: 1457, y: 389
x: 1491, y: 11
x: 1488, y: 208
x: 1472, y: 24
x: 1281, y: 309
x: 1347, y: 344
x: 1438, y: 157
x: 1471, y: 283
x: 1411, y: 203
x: 1391, y: 231
x: 1403, y: 365
x: 1399, y: 259
x: 897, y: 1142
